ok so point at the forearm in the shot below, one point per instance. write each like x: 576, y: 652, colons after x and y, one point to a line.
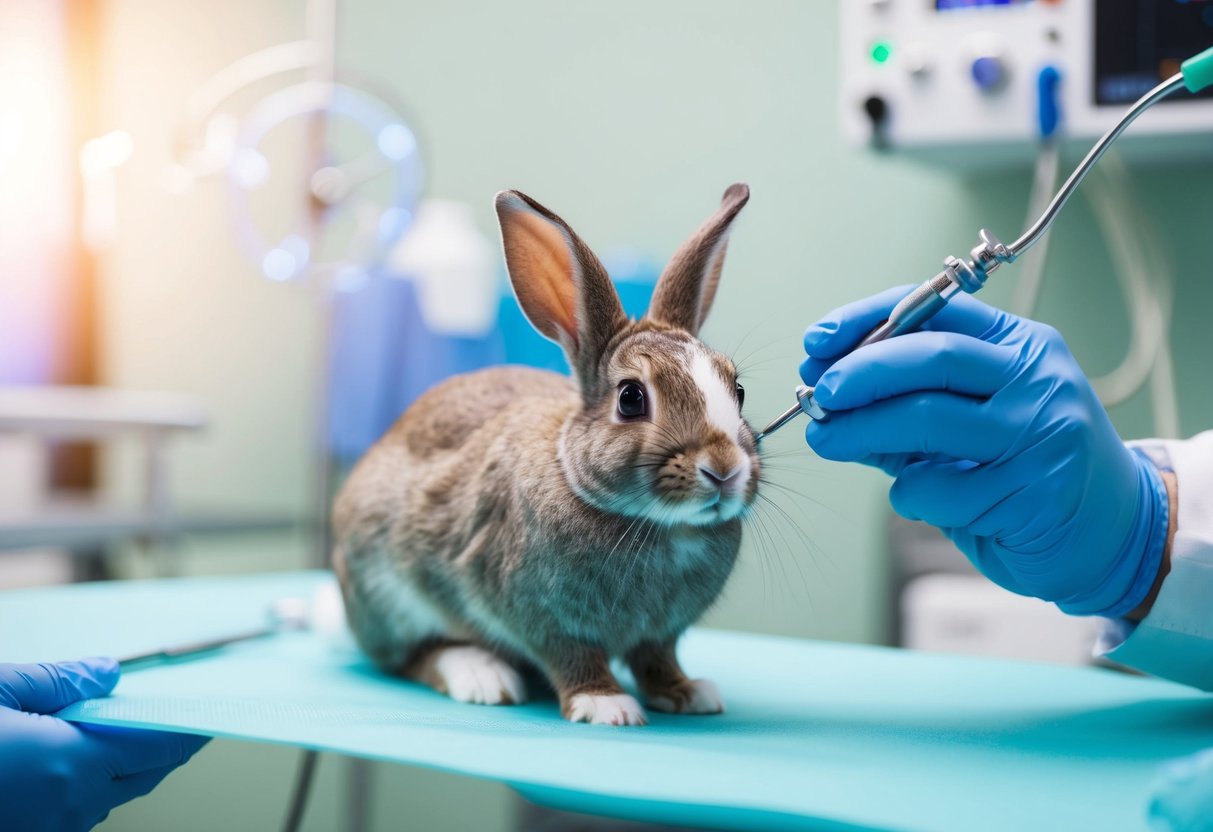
x: 1171, y: 634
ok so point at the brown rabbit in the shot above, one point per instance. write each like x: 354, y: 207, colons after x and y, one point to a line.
x: 514, y: 518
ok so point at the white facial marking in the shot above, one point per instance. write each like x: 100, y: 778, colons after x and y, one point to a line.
x: 705, y: 699
x: 613, y: 709
x: 721, y: 403
x: 473, y: 674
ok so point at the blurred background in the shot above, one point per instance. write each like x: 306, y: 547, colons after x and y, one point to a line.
x: 237, y: 238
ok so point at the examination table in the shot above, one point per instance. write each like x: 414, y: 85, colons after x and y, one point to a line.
x: 816, y: 736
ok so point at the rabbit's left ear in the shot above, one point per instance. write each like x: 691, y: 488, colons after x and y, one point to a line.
x: 687, y: 287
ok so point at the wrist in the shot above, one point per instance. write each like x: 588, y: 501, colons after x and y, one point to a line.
x: 1134, y: 548
x: 1164, y: 567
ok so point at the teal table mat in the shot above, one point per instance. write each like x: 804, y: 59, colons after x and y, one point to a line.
x: 817, y: 736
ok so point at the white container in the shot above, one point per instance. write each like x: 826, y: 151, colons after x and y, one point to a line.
x: 968, y: 614
x: 454, y: 266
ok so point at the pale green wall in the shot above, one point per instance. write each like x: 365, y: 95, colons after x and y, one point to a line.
x: 629, y: 119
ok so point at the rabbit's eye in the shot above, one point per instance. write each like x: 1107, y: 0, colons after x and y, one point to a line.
x: 632, y: 400
x: 740, y: 395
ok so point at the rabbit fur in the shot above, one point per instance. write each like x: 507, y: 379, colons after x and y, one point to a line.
x: 515, y: 520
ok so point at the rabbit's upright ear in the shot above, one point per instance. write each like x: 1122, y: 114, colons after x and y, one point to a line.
x: 562, y: 287
x: 687, y: 287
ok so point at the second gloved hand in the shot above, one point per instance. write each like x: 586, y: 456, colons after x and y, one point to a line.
x: 995, y: 436
x: 56, y: 775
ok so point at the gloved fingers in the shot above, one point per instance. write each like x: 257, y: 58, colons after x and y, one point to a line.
x: 949, y: 494
x: 48, y: 687
x: 917, y: 361
x: 811, y: 369
x: 127, y: 751
x: 839, y: 331
x: 932, y: 423
x: 894, y: 464
x: 987, y: 557
x: 1018, y: 543
x: 891, y: 464
x: 1017, y: 520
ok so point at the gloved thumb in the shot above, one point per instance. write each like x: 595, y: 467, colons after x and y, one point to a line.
x: 46, y: 688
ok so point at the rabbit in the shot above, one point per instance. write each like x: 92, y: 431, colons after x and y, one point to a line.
x: 515, y: 520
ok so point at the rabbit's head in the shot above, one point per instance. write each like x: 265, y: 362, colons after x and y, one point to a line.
x: 660, y: 433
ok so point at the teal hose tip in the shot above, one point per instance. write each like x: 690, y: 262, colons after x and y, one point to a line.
x: 1198, y: 71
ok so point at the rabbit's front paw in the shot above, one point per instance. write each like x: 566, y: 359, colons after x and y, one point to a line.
x: 690, y: 696
x: 605, y: 709
x: 468, y: 673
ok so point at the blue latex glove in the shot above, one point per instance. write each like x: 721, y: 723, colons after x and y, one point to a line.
x: 995, y: 436
x: 55, y: 775
x: 1183, y: 796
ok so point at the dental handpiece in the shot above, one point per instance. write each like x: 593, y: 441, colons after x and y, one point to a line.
x: 970, y: 275
x: 911, y: 313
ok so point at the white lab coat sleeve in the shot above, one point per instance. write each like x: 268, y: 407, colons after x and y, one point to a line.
x: 1175, y: 640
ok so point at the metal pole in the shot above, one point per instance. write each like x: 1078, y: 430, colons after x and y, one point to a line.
x: 321, y: 26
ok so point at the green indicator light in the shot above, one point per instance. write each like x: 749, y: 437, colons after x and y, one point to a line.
x: 881, y: 51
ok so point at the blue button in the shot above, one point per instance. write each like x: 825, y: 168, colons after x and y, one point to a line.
x: 988, y: 72
x: 1048, y: 103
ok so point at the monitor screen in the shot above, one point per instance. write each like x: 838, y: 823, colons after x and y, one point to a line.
x: 1139, y: 43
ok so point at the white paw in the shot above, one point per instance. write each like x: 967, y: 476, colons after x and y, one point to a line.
x: 613, y: 709
x: 698, y: 696
x: 473, y: 674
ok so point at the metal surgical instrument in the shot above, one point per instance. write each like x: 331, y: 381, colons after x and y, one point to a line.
x: 990, y: 253
x: 284, y: 615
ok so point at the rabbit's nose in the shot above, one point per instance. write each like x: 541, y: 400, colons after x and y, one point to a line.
x: 713, y: 477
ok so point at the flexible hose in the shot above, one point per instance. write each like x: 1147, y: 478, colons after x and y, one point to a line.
x: 1153, y: 267
x: 1032, y: 263
x: 1142, y: 270
x: 1038, y: 228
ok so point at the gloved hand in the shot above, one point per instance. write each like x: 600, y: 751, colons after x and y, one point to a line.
x: 56, y: 775
x: 995, y: 436
x: 1183, y: 796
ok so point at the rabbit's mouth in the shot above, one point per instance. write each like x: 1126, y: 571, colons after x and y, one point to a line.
x: 713, y: 510
x: 718, y: 512
x: 718, y: 508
